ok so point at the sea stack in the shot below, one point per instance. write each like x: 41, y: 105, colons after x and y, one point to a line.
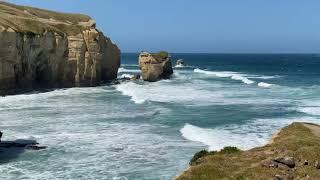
x: 155, y: 66
x: 47, y: 49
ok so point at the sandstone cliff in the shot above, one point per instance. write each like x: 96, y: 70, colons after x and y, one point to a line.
x: 40, y: 48
x: 155, y: 66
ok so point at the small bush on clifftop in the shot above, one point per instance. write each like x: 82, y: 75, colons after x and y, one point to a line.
x: 160, y: 55
x: 229, y: 150
x: 203, y: 153
x: 197, y: 156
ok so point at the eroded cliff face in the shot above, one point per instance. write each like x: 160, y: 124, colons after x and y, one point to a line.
x: 66, y: 51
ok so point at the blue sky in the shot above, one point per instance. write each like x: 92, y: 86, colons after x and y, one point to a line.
x: 215, y: 26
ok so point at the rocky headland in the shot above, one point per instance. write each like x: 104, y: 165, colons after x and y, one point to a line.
x: 155, y: 66
x: 293, y: 153
x: 46, y: 49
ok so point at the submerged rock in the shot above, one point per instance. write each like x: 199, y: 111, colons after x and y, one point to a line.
x: 155, y: 66
x: 21, y: 143
x: 46, y: 49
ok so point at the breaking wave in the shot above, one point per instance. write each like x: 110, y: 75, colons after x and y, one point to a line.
x: 245, y: 136
x: 226, y: 74
x: 122, y: 70
x: 126, y: 76
x: 264, y: 85
x: 315, y: 110
x: 165, y: 91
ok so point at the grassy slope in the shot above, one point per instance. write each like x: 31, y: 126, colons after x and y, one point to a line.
x: 160, y: 55
x: 295, y: 140
x: 32, y: 20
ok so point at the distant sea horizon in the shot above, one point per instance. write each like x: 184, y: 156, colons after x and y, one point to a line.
x: 231, y: 53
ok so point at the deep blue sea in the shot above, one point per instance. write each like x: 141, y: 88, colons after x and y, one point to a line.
x: 139, y: 130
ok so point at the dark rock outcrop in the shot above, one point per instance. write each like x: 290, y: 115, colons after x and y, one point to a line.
x: 40, y: 48
x: 288, y: 161
x: 155, y: 66
x: 317, y: 164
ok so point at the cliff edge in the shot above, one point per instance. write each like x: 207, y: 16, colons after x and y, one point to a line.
x: 293, y: 153
x: 41, y: 48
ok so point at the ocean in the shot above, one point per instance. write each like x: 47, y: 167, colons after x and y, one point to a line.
x: 141, y: 130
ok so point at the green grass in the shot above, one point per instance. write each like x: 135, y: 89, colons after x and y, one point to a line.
x: 160, y: 55
x: 199, y: 155
x: 25, y: 19
x: 204, y: 153
x: 229, y: 150
x: 295, y: 140
x: 19, y: 10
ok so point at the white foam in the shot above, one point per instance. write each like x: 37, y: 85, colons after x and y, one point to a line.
x: 264, y: 85
x: 216, y: 73
x: 218, y: 138
x: 246, y: 136
x: 44, y: 99
x: 226, y: 74
x: 310, y: 110
x: 130, y: 65
x: 125, y: 76
x: 263, y: 77
x: 166, y: 91
x: 197, y: 92
x: 241, y: 78
x: 122, y: 70
x: 179, y: 66
x: 58, y: 92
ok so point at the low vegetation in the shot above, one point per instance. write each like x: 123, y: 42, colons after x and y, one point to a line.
x: 204, y: 153
x: 160, y: 55
x: 297, y: 144
x: 30, y: 20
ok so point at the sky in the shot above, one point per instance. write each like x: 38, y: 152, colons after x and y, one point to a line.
x: 202, y: 26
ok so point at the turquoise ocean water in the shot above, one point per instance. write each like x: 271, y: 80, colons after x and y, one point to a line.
x: 140, y: 130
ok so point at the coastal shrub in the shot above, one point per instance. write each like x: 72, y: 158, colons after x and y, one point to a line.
x: 203, y: 153
x: 240, y: 178
x: 199, y: 155
x: 160, y: 55
x: 229, y: 150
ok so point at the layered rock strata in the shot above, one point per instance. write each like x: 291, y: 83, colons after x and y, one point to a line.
x: 155, y: 66
x: 40, y: 48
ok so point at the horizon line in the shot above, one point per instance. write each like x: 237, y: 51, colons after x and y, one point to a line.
x: 310, y: 53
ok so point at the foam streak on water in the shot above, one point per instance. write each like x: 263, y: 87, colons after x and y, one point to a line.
x: 227, y: 74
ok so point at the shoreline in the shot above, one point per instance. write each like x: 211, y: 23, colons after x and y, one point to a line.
x: 270, y: 141
x: 265, y: 163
